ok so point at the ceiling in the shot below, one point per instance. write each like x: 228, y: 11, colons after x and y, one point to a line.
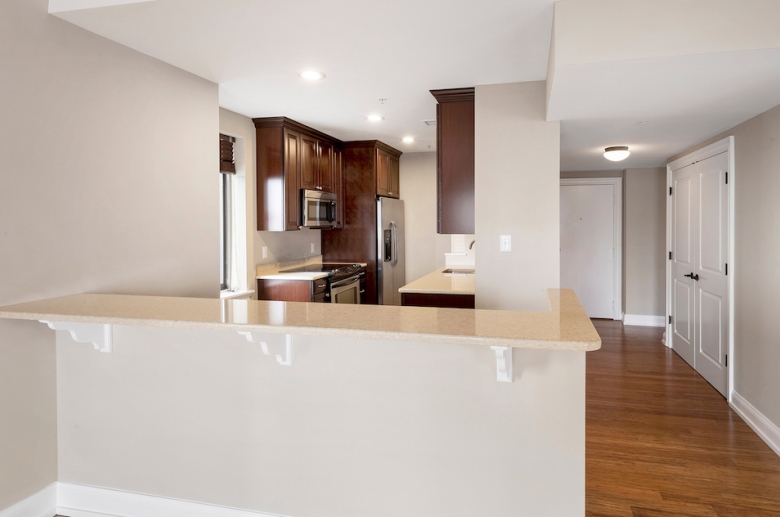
x: 369, y: 50
x: 399, y: 50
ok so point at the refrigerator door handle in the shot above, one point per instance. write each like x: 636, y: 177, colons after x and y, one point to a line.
x: 395, y: 243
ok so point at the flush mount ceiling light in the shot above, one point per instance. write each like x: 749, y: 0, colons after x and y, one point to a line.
x: 312, y: 75
x: 375, y: 118
x: 616, y: 153
x: 408, y: 139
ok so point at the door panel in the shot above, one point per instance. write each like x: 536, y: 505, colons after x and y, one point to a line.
x: 685, y: 190
x: 588, y: 247
x: 712, y: 286
x: 292, y: 193
x: 326, y: 167
x: 309, y: 162
x: 711, y: 342
x: 382, y: 173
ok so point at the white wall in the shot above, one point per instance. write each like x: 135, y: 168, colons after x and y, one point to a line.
x: 517, y: 193
x: 756, y: 186
x: 425, y: 248
x: 108, y: 183
x: 353, y: 428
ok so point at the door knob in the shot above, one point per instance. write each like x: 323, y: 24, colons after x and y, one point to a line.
x: 693, y: 277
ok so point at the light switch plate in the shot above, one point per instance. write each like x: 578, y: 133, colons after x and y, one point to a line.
x: 265, y: 252
x: 505, y: 243
x: 312, y: 247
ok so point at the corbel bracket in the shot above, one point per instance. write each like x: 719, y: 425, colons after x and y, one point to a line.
x: 503, y: 363
x: 100, y: 335
x: 286, y: 360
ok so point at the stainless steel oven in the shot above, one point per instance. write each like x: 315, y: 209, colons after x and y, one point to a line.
x: 319, y: 209
x: 346, y: 290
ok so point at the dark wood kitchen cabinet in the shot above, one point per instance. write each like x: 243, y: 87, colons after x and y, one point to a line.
x: 455, y: 160
x: 293, y: 290
x: 292, y: 157
x: 363, y: 162
x: 387, y: 174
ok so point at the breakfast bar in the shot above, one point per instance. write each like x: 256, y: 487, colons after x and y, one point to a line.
x: 267, y: 397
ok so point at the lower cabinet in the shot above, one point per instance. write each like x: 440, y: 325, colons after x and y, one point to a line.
x: 293, y: 290
x: 450, y: 301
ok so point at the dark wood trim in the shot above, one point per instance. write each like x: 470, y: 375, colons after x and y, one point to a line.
x: 377, y: 144
x: 453, y: 94
x: 446, y: 301
x: 286, y: 290
x: 296, y: 126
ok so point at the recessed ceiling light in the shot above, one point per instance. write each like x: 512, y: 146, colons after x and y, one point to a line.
x: 408, y: 139
x: 616, y: 153
x: 312, y: 75
x: 375, y: 118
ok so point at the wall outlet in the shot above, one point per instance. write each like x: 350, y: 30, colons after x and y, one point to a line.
x: 312, y: 247
x: 505, y: 243
x: 265, y: 252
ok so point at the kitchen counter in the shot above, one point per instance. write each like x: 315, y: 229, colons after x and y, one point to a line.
x: 442, y: 283
x: 565, y: 326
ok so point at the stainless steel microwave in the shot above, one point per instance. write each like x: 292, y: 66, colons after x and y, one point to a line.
x: 319, y: 209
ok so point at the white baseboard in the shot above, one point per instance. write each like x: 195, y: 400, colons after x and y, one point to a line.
x: 42, y: 504
x: 763, y: 427
x: 87, y: 501
x: 643, y: 320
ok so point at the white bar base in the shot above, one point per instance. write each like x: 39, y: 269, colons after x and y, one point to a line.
x: 503, y: 363
x: 100, y: 335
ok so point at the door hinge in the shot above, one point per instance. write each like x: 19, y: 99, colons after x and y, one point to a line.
x: 670, y: 320
x: 670, y: 255
x: 727, y: 178
x: 670, y: 191
x: 727, y: 269
x: 727, y: 360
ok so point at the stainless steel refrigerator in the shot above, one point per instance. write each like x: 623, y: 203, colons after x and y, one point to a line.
x: 391, y: 263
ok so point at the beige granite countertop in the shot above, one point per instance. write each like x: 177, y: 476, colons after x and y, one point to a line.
x: 564, y: 327
x: 275, y: 271
x: 442, y: 283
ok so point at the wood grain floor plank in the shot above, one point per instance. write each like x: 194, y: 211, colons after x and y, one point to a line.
x: 662, y: 442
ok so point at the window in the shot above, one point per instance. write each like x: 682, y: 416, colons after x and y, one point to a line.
x: 224, y: 230
x: 227, y: 169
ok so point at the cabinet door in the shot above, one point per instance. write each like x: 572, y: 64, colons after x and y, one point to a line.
x: 309, y: 163
x: 325, y: 179
x: 394, y: 176
x: 292, y: 172
x: 338, y: 176
x: 455, y: 156
x: 382, y: 173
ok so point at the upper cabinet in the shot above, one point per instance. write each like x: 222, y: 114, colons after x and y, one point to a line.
x: 455, y: 159
x: 292, y: 157
x: 387, y: 173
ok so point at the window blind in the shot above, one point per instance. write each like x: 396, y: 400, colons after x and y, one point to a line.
x: 227, y: 164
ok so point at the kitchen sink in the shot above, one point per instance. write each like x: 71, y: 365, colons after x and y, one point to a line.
x: 459, y: 271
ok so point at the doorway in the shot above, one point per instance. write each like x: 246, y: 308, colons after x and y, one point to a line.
x: 700, y: 237
x: 591, y: 243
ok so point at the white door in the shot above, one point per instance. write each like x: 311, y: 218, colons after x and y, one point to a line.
x: 588, y: 247
x: 700, y: 297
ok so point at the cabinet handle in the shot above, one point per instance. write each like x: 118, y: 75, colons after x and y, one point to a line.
x: 318, y: 188
x: 363, y: 291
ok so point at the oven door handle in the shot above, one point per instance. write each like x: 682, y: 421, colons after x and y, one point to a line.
x: 346, y: 281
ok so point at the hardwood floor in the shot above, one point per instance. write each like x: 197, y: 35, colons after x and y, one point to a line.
x: 662, y: 442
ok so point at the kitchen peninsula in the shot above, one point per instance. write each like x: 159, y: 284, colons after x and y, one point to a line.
x: 445, y: 287
x: 284, y: 399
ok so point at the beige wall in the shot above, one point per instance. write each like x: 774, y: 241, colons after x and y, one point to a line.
x: 425, y: 248
x: 517, y: 193
x: 756, y: 184
x: 108, y: 183
x: 644, y: 241
x: 353, y: 428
